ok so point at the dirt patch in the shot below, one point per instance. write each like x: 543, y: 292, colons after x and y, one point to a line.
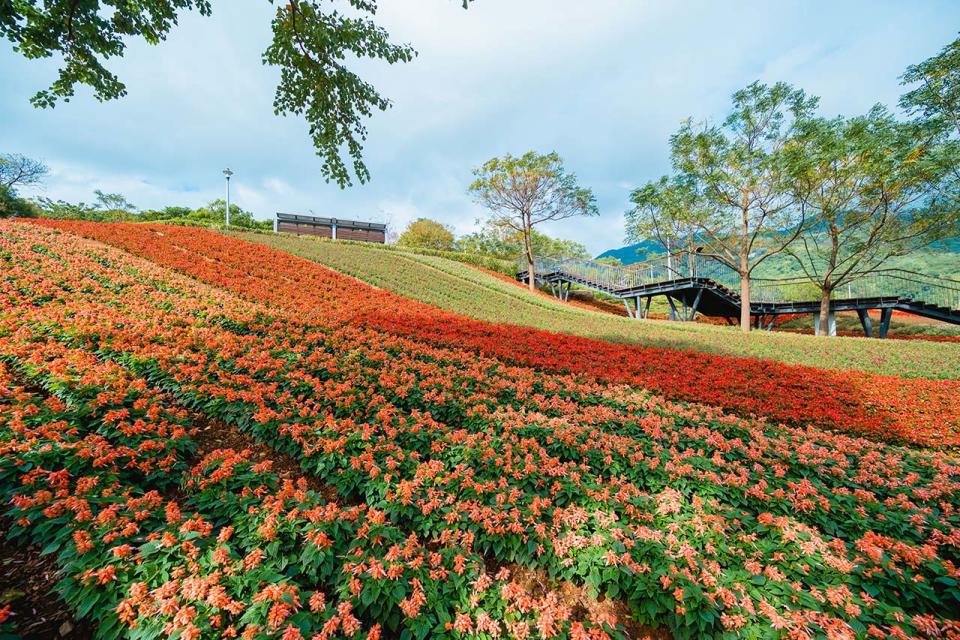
x: 27, y: 581
x: 215, y: 434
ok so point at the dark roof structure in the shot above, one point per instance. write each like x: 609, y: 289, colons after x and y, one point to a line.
x: 335, y: 228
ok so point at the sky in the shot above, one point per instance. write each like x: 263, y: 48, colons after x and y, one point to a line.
x: 603, y: 83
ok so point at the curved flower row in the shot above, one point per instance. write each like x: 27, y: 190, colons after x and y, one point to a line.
x: 87, y: 453
x: 919, y: 411
x: 708, y: 521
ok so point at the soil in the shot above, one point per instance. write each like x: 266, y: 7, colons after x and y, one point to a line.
x: 27, y: 582
x: 214, y: 434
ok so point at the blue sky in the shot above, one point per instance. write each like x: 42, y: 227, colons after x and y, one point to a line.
x: 604, y: 83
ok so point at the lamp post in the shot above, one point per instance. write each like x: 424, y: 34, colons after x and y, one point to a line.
x: 228, y: 173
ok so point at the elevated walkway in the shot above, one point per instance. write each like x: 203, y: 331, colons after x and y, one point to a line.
x: 694, y: 283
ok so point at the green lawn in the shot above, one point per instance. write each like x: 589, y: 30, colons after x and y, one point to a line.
x: 458, y: 287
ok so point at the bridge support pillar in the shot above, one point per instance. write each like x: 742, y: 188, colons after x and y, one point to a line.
x: 695, y: 305
x: 885, y: 315
x: 673, y: 309
x: 866, y: 322
x: 831, y: 324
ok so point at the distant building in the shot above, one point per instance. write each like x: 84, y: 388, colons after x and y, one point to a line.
x: 334, y: 228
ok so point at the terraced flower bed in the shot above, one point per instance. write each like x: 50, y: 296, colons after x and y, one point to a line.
x: 468, y: 291
x: 891, y: 408
x: 454, y: 474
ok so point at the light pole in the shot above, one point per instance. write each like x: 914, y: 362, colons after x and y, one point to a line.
x: 228, y: 173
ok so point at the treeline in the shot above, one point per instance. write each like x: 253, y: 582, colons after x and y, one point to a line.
x: 493, y: 239
x: 17, y: 172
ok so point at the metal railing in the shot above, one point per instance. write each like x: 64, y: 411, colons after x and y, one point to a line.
x: 886, y: 283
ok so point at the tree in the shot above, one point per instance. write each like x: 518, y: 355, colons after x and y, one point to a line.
x: 664, y: 211
x: 871, y: 188
x: 935, y: 101
x: 503, y: 242
x: 526, y: 191
x: 937, y: 96
x: 62, y: 210
x: 216, y: 213
x: 736, y: 174
x: 310, y: 46
x: 427, y: 234
x: 20, y: 171
x: 114, y: 207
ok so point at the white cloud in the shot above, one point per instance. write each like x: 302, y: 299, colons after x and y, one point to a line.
x: 603, y: 83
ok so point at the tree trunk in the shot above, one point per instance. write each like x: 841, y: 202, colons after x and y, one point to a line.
x: 825, y: 311
x: 745, y: 302
x: 528, y: 249
x: 745, y: 263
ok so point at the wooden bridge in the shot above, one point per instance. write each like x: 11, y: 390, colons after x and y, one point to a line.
x: 694, y: 283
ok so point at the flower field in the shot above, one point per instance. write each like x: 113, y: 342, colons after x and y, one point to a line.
x: 918, y: 411
x: 469, y: 291
x: 444, y: 462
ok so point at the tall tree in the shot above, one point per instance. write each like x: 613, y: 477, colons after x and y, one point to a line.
x: 871, y: 186
x: 737, y: 171
x: 311, y: 44
x: 529, y: 190
x: 425, y: 233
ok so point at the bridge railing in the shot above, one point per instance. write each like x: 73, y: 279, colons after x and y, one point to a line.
x: 657, y: 270
x: 943, y: 292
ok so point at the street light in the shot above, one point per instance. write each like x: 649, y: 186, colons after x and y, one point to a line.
x: 228, y: 173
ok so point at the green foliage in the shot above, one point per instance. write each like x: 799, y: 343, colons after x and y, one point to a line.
x: 427, y: 234
x: 12, y: 206
x: 63, y: 210
x: 871, y: 186
x: 216, y: 213
x: 85, y: 35
x: 114, y: 207
x: 526, y: 191
x: 506, y: 243
x: 735, y: 177
x: 311, y: 45
x: 521, y: 192
x: 665, y: 211
x: 936, y: 96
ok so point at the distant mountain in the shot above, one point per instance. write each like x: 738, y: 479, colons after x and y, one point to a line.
x: 950, y: 245
x: 941, y: 259
x: 634, y: 252
x: 649, y: 249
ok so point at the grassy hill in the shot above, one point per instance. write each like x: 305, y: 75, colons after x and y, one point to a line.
x: 461, y: 288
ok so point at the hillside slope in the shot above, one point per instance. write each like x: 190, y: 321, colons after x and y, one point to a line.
x: 442, y: 478
x: 456, y: 287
